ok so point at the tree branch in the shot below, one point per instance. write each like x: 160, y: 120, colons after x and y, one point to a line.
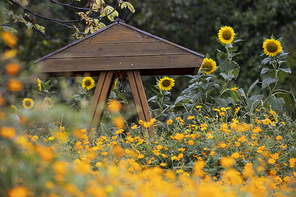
x: 61, y: 22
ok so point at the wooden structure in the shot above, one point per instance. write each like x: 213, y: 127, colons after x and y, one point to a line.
x: 121, y: 47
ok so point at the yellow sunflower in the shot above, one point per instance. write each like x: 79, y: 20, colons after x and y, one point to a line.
x: 226, y: 35
x: 166, y: 83
x: 28, y: 103
x: 208, y: 65
x: 272, y: 47
x: 88, y: 83
x: 39, y: 84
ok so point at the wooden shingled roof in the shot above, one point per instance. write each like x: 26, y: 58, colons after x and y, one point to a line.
x: 119, y: 47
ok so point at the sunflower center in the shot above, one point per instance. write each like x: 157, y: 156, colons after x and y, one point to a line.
x: 28, y: 103
x: 166, y: 83
x: 207, y: 65
x: 271, y: 47
x: 226, y: 35
x: 87, y: 83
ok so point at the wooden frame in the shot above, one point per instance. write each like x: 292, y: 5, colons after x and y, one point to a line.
x: 120, y: 47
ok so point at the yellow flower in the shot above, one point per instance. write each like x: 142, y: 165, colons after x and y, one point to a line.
x: 235, y: 155
x: 34, y: 138
x: 119, y: 131
x: 9, y: 39
x: 18, y: 191
x: 226, y: 35
x: 88, y: 83
x: 12, y: 68
x: 266, y: 121
x: 39, y: 84
x: 170, y: 121
x: 234, y: 88
x: 28, y: 103
x: 278, y: 137
x: 114, y: 106
x: 166, y: 83
x: 272, y: 47
x: 248, y: 170
x: 227, y: 162
x: 14, y: 85
x: 208, y: 66
x: 271, y: 161
x: 162, y: 164
x: 134, y: 127
x: 51, y: 138
x: 10, y: 53
x: 8, y: 132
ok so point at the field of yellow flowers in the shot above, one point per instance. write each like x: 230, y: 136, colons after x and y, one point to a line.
x: 208, y: 150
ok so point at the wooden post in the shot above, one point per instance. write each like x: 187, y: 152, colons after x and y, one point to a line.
x: 100, y: 98
x: 140, y: 99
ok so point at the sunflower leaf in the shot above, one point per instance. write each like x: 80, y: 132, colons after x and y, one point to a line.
x: 268, y: 80
x: 252, y: 86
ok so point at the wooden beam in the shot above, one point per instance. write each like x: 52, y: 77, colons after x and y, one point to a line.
x: 140, y: 99
x: 120, y: 63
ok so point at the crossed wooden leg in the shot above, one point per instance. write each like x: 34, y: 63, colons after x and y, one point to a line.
x: 102, y: 92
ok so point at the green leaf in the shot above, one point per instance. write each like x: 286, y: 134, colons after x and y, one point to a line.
x: 276, y: 103
x: 281, y: 75
x: 235, y: 72
x: 242, y: 93
x: 227, y: 77
x: 252, y: 86
x: 253, y: 101
x: 267, y: 81
x: 131, y: 7
x: 264, y: 70
x: 285, y: 62
x: 230, y: 100
x: 220, y: 54
x: 221, y: 102
x: 234, y: 95
x: 225, y: 65
x: 289, y: 98
x: 265, y: 61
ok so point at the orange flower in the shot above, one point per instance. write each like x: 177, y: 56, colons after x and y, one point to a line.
x: 119, y: 122
x: 8, y: 132
x: 18, y: 191
x: 14, y: 85
x: 114, y: 106
x: 12, y: 69
x: 9, y: 39
x: 60, y: 167
x: 2, y: 101
x: 45, y: 153
x: 117, y: 151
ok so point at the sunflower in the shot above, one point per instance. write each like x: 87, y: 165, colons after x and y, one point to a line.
x: 28, y: 103
x: 272, y: 47
x: 208, y: 65
x: 226, y: 35
x: 166, y: 83
x: 39, y: 84
x: 88, y: 83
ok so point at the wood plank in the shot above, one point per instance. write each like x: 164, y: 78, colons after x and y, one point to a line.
x: 119, y: 49
x: 118, y: 33
x: 120, y: 63
x: 96, y: 95
x: 143, y: 99
x: 135, y: 93
x: 107, y: 86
